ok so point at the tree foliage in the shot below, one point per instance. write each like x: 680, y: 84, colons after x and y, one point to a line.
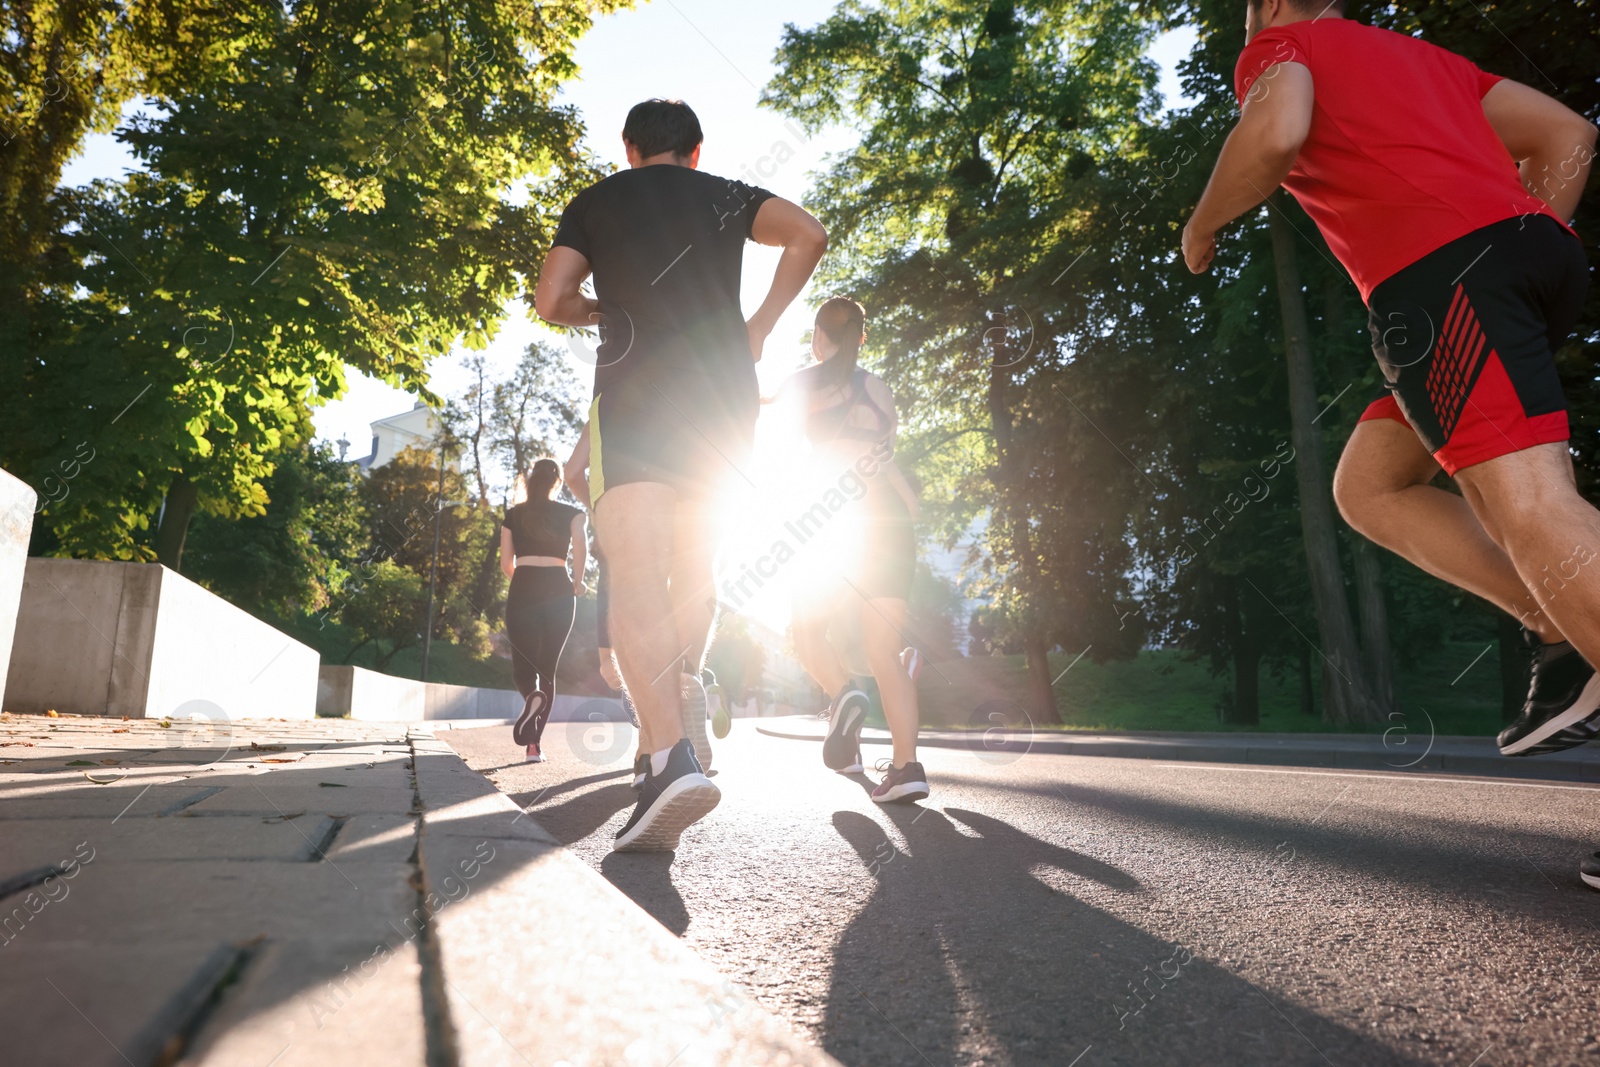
x: 313, y: 199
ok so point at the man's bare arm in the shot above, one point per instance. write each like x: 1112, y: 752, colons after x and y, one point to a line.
x: 1552, y: 144
x: 559, y: 297
x: 1256, y: 158
x: 791, y: 227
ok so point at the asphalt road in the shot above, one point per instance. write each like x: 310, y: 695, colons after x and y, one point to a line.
x: 1086, y: 911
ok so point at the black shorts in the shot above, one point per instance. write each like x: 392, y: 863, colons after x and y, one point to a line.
x: 688, y: 433
x: 889, y: 555
x: 1466, y: 337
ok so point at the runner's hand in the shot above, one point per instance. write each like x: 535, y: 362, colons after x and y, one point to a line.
x: 579, y: 587
x: 1198, y: 249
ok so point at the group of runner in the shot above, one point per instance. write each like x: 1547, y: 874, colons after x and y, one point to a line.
x: 1446, y: 192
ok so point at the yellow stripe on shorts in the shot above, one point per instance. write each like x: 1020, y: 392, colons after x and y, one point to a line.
x: 597, y: 476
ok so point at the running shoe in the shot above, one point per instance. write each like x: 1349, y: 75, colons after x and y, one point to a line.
x: 533, y: 754
x: 842, y: 747
x: 1589, y: 871
x: 641, y: 769
x: 530, y: 724
x: 1563, y: 706
x: 901, y: 784
x: 854, y: 767
x: 721, y: 714
x: 911, y: 662
x: 692, y: 709
x: 669, y: 803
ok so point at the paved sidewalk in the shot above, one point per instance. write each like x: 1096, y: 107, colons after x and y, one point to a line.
x: 307, y: 893
x: 1406, y: 747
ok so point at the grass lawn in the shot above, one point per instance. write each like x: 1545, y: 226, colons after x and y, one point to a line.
x: 1161, y: 690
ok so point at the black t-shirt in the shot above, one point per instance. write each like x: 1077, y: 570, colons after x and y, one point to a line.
x: 666, y: 244
x: 541, y: 528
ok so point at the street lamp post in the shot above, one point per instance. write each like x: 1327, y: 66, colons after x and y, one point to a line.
x: 440, y: 503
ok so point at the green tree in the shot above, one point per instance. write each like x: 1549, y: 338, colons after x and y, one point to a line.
x: 386, y: 611
x: 298, y: 554
x: 975, y: 181
x: 313, y: 199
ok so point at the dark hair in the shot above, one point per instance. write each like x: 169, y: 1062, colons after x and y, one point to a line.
x: 845, y: 323
x: 658, y: 126
x: 542, y: 479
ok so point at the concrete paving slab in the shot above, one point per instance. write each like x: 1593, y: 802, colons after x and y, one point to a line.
x: 150, y: 839
x: 87, y: 1003
x: 308, y: 1005
x: 375, y: 839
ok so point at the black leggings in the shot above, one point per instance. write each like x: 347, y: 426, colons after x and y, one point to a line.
x: 539, y: 613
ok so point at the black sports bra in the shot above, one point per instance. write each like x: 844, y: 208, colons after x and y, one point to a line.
x: 832, y: 423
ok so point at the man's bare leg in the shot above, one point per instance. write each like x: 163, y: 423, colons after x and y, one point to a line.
x: 1383, y: 490
x: 634, y: 523
x: 1529, y: 500
x: 692, y: 584
x: 815, y: 652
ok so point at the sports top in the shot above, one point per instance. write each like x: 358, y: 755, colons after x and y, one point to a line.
x: 541, y: 528
x: 666, y: 245
x: 1400, y: 159
x: 833, y: 423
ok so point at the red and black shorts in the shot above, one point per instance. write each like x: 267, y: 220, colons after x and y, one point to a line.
x: 1466, y: 337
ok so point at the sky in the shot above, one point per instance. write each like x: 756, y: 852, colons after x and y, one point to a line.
x: 716, y: 55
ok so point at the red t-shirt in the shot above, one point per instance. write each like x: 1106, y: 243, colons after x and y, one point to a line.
x: 1400, y: 159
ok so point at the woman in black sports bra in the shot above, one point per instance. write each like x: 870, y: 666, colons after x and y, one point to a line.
x: 534, y: 539
x: 850, y: 423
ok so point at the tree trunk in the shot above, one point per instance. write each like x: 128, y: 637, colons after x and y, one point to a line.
x: 182, y: 496
x: 1006, y: 480
x: 1043, y: 694
x: 1349, y: 700
x: 1308, y: 692
x: 1374, y: 623
x: 1513, y: 667
x: 1246, y: 707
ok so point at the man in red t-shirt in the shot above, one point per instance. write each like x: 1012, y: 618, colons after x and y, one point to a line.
x: 1445, y: 193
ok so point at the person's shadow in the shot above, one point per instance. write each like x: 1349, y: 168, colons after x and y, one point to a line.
x: 646, y: 879
x: 964, y: 953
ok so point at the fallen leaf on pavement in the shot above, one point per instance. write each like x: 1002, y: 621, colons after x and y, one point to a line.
x: 80, y: 763
x: 332, y: 785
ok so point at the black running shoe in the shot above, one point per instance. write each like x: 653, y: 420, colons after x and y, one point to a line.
x: 842, y: 747
x: 530, y: 724
x: 692, y: 710
x: 1563, y: 707
x: 1589, y: 871
x: 641, y: 769
x: 669, y: 803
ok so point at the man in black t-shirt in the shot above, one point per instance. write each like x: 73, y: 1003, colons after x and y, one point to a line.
x: 674, y: 411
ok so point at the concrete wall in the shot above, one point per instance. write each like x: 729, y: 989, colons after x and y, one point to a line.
x: 374, y: 697
x: 369, y: 695
x: 17, y: 503
x: 109, y: 638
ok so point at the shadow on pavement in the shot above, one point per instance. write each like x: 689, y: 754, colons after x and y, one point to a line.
x: 962, y: 955
x: 646, y: 879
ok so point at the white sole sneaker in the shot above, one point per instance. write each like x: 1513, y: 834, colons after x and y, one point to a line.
x: 526, y: 726
x: 844, y: 728
x: 855, y: 768
x: 1582, y: 709
x: 692, y: 711
x: 905, y: 791
x: 680, y: 805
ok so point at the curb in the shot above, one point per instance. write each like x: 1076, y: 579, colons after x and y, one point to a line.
x: 1292, y: 751
x: 534, y: 949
